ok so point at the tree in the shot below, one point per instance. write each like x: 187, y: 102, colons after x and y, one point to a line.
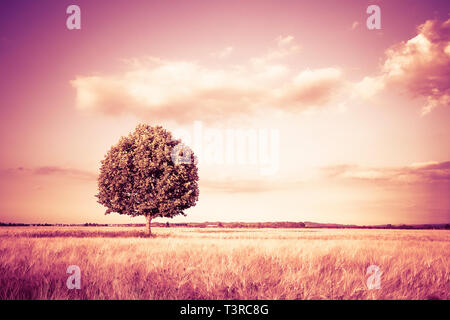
x: 150, y: 174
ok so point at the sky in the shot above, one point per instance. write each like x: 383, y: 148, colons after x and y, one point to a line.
x: 297, y: 110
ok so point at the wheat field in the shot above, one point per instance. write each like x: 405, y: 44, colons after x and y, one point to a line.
x: 215, y: 263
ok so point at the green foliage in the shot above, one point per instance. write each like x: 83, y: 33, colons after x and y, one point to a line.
x: 139, y: 177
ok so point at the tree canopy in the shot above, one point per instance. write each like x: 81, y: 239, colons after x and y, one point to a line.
x: 150, y: 174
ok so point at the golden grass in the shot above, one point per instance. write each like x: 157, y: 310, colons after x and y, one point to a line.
x: 188, y: 263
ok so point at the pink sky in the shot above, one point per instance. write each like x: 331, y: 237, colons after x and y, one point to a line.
x: 362, y: 115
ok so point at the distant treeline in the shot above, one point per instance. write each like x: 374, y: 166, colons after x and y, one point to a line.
x: 285, y: 225
x: 2, y: 224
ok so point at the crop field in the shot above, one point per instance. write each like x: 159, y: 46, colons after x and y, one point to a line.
x: 219, y: 263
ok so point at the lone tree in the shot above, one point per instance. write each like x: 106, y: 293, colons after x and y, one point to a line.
x: 150, y: 174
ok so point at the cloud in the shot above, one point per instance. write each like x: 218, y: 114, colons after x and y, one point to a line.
x: 284, y: 41
x: 224, y: 53
x: 183, y: 91
x: 49, y: 171
x: 249, y: 185
x: 418, y: 174
x: 155, y: 89
x: 285, y: 48
x: 311, y: 87
x: 368, y: 87
x: 420, y: 65
x: 427, y: 172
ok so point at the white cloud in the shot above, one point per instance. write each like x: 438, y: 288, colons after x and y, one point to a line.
x: 184, y: 91
x: 420, y: 65
x: 224, y: 53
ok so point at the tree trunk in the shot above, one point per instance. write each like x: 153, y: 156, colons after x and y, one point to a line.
x: 148, y: 226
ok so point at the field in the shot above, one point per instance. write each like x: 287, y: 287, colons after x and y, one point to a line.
x: 214, y: 263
